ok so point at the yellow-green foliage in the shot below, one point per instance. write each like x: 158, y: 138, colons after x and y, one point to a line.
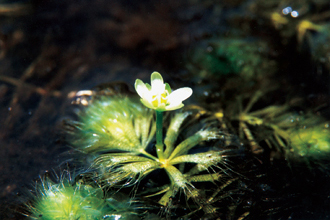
x: 311, y: 142
x: 114, y: 124
x: 131, y: 167
x: 64, y: 201
x: 120, y: 130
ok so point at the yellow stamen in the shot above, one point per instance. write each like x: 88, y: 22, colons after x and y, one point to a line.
x: 158, y: 100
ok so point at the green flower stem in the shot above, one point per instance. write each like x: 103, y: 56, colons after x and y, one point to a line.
x: 159, y: 135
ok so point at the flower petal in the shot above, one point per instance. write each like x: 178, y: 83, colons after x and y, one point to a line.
x: 174, y: 106
x: 177, y: 96
x: 157, y: 83
x: 156, y: 76
x: 142, y: 89
x: 147, y: 104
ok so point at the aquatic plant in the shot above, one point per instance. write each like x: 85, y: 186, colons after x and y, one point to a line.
x: 159, y: 97
x: 254, y: 124
x: 220, y: 58
x: 285, y: 132
x: 114, y: 123
x: 131, y: 168
x: 310, y: 141
x: 119, y: 133
x: 71, y: 200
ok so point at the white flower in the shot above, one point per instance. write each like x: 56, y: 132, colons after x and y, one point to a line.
x: 159, y: 96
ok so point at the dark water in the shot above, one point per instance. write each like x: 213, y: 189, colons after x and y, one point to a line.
x: 227, y: 51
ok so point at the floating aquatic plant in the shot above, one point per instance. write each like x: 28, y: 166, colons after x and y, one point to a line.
x: 119, y: 132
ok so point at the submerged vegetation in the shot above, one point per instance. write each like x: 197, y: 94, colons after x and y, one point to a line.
x: 221, y: 58
x: 251, y: 142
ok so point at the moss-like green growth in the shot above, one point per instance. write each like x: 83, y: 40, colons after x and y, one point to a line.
x: 223, y: 57
x: 64, y: 200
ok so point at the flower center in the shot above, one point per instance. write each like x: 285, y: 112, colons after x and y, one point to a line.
x: 160, y: 99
